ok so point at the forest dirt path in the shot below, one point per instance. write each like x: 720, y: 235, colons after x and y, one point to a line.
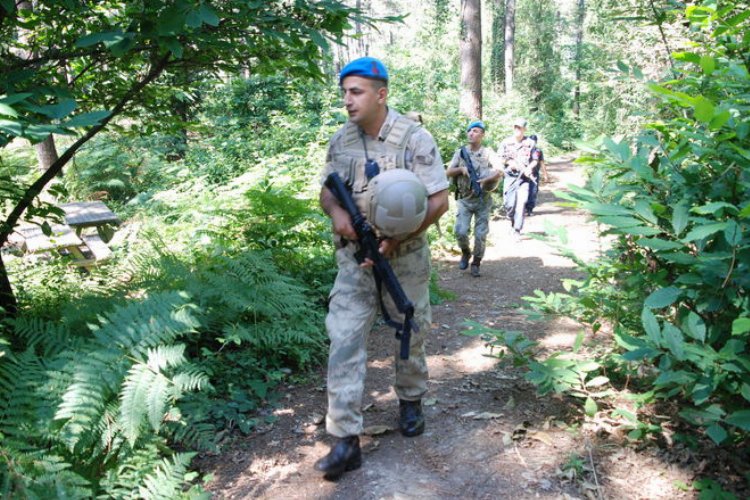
x: 488, y: 434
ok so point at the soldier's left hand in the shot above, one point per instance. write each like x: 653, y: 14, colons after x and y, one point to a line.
x: 388, y: 246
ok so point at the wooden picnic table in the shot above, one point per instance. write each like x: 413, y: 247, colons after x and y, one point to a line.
x: 86, y: 249
x: 82, y: 214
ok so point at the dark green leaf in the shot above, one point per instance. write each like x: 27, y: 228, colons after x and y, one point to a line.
x: 7, y: 110
x: 604, y: 209
x: 714, y: 207
x: 745, y: 391
x: 717, y: 433
x: 622, y: 67
x: 86, y: 119
x: 659, y: 244
x: 704, y: 231
x: 11, y: 128
x: 740, y: 326
x: 46, y: 228
x: 208, y: 15
x: 695, y: 327
x: 94, y: 38
x: 740, y: 419
x: 194, y: 19
x: 679, y: 217
x: 733, y: 233
x: 651, y: 326
x: 55, y: 111
x: 662, y: 297
x: 674, y: 340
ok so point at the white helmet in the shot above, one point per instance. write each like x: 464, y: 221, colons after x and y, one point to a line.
x: 398, y: 203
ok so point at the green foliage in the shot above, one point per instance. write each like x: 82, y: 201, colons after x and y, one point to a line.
x: 77, y: 403
x: 674, y: 284
x: 558, y: 373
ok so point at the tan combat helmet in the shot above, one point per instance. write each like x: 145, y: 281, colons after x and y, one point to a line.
x: 398, y: 204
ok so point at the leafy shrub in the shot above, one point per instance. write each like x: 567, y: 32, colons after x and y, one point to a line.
x: 676, y: 197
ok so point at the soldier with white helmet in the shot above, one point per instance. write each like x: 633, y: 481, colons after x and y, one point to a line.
x: 394, y: 171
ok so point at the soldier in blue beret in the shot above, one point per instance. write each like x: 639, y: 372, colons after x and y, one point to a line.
x: 471, y: 203
x: 375, y: 139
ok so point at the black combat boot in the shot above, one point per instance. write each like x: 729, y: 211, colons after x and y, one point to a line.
x: 411, y: 419
x: 345, y: 455
x: 475, y: 267
x: 464, y: 263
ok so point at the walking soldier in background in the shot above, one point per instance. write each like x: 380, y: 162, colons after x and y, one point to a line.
x: 536, y: 165
x: 472, y: 171
x: 516, y: 154
x: 377, y: 139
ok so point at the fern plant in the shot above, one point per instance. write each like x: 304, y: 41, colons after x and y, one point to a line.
x: 74, y: 409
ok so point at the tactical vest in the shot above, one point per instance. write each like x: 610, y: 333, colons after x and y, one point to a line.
x: 481, y: 165
x: 390, y: 153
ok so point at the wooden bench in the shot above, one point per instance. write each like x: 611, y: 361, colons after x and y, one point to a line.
x: 98, y: 249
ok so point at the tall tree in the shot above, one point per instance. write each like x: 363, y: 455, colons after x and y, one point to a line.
x: 497, y: 55
x: 510, y: 40
x: 46, y: 150
x: 580, y: 17
x: 470, y: 53
x: 117, y: 54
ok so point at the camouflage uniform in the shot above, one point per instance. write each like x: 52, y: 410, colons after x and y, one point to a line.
x: 470, y: 205
x: 515, y: 186
x: 354, y: 304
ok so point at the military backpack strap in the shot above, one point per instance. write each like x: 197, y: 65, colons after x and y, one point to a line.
x: 399, y: 135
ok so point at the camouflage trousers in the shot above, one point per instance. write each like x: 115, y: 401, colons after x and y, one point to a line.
x: 515, y: 196
x: 480, y: 209
x: 352, y: 310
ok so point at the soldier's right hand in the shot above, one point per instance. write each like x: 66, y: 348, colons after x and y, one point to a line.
x: 342, y: 225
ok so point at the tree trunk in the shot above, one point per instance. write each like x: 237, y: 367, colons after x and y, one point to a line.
x: 471, y: 59
x: 360, y: 37
x: 579, y: 56
x: 510, y: 40
x: 8, y: 304
x: 497, y: 57
x: 46, y: 153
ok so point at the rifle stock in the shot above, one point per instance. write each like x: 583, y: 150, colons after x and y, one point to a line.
x: 370, y: 248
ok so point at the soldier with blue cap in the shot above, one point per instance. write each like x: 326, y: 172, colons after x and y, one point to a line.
x: 470, y: 202
x: 374, y: 140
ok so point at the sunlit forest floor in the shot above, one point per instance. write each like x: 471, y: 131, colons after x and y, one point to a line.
x: 488, y: 433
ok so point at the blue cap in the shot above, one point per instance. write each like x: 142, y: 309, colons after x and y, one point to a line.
x: 367, y: 67
x: 478, y: 123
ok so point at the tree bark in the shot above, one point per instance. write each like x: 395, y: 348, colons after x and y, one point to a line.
x: 7, y: 298
x: 497, y: 57
x: 579, y: 56
x: 510, y: 40
x: 46, y: 153
x: 470, y: 49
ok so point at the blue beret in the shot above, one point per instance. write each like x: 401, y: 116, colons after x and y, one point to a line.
x: 367, y: 67
x: 477, y: 123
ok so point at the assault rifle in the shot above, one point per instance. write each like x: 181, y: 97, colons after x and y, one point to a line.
x: 369, y: 247
x: 473, y: 175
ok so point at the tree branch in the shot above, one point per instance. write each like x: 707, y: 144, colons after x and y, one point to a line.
x: 663, y: 36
